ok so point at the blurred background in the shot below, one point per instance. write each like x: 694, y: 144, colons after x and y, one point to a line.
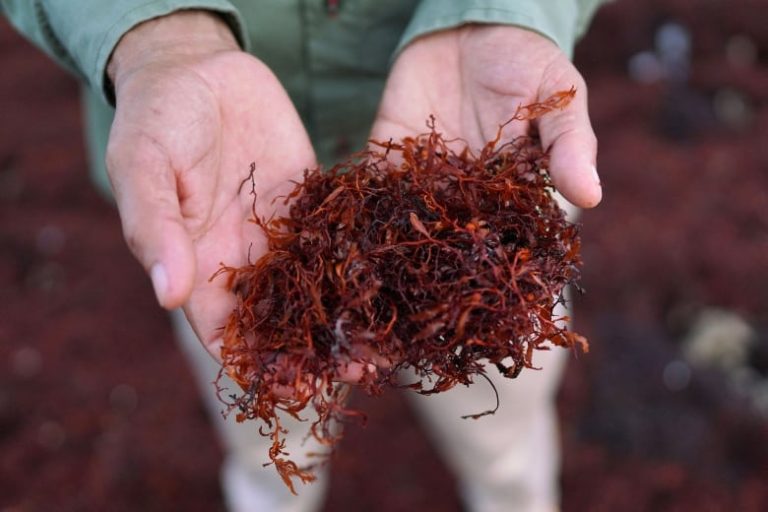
x: 669, y: 410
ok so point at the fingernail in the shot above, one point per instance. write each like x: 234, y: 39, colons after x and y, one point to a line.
x: 159, y: 281
x: 595, y: 176
x: 214, y: 348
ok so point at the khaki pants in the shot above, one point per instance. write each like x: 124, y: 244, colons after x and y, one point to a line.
x: 508, y: 461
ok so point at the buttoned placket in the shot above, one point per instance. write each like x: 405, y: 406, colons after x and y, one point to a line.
x: 332, y: 7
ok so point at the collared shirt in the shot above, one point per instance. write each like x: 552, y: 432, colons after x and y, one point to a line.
x: 332, y: 56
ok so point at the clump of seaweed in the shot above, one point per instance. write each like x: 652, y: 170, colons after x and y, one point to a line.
x: 436, y: 260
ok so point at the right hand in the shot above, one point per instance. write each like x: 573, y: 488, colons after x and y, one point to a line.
x: 193, y: 111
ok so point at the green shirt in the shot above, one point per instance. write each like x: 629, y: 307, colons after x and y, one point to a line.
x: 332, y: 61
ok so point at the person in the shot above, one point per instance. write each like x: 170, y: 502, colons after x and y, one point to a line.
x: 201, y: 88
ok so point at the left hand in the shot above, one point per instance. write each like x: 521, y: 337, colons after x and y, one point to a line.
x: 473, y: 78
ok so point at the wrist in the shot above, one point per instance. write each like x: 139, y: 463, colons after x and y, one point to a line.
x: 179, y: 34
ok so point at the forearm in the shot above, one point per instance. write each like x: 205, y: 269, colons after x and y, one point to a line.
x: 171, y: 37
x: 82, y: 34
x: 562, y: 21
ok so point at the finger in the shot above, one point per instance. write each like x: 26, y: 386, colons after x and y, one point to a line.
x: 364, y: 360
x: 572, y: 144
x: 153, y: 227
x: 351, y: 372
x: 212, y: 302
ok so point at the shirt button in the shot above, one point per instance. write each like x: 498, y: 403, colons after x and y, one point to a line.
x: 332, y: 7
x: 343, y: 148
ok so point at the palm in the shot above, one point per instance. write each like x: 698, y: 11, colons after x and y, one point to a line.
x: 201, y: 130
x: 473, y: 79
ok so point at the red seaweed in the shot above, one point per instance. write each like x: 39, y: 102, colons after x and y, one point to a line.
x: 438, y: 260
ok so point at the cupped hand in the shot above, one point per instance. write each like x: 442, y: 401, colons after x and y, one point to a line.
x: 192, y: 113
x: 472, y: 79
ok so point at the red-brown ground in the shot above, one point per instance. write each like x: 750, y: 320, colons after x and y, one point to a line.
x: 99, y: 412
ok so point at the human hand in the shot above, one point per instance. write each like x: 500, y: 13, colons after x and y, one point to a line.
x: 192, y: 113
x: 472, y: 79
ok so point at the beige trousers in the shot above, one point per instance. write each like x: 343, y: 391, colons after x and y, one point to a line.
x: 508, y: 461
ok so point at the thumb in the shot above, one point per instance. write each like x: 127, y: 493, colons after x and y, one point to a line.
x: 153, y: 227
x: 572, y: 144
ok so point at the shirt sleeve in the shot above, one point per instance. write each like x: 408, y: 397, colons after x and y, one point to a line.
x: 81, y: 34
x: 562, y: 21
